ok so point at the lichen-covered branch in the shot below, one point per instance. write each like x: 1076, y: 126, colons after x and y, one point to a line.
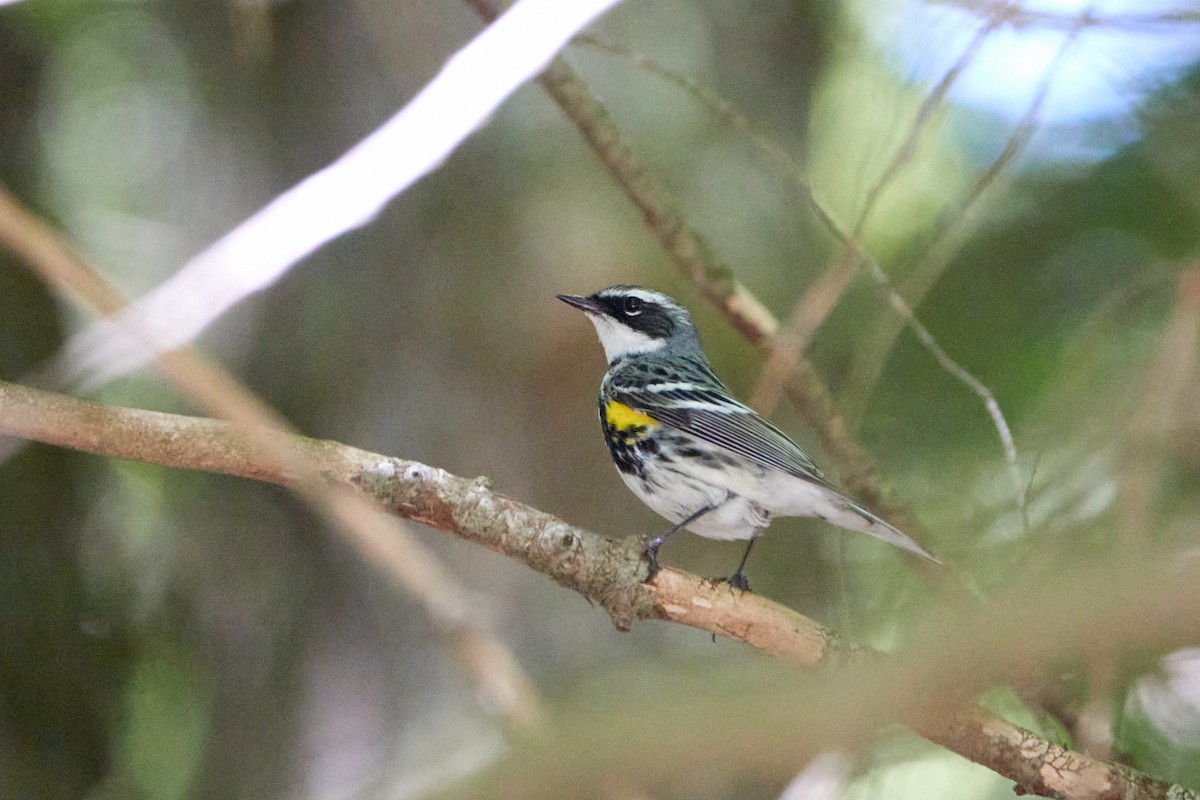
x: 1040, y: 767
x: 610, y: 573
x: 604, y: 571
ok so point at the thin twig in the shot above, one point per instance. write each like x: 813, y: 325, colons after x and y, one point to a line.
x: 818, y: 301
x: 812, y: 308
x: 1020, y: 136
x: 932, y: 102
x: 955, y: 233
x: 1173, y: 371
x: 947, y: 659
x: 963, y: 376
x: 821, y: 297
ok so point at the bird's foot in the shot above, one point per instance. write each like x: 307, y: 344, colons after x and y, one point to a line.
x: 651, y: 554
x: 739, y: 582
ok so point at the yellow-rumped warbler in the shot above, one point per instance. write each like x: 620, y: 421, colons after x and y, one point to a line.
x: 687, y: 448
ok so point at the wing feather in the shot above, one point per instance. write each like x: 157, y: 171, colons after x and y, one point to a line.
x: 696, y: 402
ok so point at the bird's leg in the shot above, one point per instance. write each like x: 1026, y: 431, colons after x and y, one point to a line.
x: 657, y: 542
x: 738, y: 579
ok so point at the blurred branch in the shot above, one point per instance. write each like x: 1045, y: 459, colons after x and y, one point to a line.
x: 45, y: 252
x: 1090, y: 611
x: 503, y: 684
x: 611, y: 574
x: 732, y: 117
x: 1169, y: 378
x: 694, y: 258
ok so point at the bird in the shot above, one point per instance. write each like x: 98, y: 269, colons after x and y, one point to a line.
x: 688, y: 448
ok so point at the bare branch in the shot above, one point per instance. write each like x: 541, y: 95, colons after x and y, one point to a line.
x: 954, y: 234
x: 815, y: 305
x: 932, y: 102
x: 346, y: 194
x: 1041, y: 767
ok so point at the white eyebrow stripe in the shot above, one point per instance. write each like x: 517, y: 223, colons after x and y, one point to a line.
x: 643, y: 294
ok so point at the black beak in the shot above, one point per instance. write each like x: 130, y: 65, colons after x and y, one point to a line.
x: 586, y: 304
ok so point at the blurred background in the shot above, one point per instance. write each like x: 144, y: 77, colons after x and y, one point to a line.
x: 169, y: 634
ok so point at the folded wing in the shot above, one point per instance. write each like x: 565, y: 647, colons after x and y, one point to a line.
x: 695, y: 401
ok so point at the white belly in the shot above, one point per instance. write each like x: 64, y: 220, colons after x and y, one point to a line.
x: 733, y: 516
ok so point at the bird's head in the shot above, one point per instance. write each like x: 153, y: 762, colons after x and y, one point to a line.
x: 632, y: 321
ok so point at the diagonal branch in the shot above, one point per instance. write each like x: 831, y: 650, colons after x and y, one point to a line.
x: 785, y: 348
x: 346, y: 194
x: 607, y: 572
x: 953, y: 234
x: 611, y: 573
x: 823, y: 295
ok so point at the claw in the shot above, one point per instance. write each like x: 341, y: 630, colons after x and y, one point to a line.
x: 738, y: 581
x: 655, y: 543
x: 651, y: 553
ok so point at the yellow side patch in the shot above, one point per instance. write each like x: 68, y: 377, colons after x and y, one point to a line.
x: 623, y: 418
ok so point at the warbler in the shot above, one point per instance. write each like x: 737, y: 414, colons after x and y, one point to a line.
x: 687, y: 448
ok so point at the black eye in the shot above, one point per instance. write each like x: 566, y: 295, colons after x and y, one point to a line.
x: 633, y: 306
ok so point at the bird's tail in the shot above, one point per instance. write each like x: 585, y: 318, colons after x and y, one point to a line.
x: 856, y: 518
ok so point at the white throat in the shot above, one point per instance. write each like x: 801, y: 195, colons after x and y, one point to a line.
x: 621, y: 340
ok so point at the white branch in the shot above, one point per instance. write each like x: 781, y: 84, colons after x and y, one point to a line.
x: 346, y: 195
